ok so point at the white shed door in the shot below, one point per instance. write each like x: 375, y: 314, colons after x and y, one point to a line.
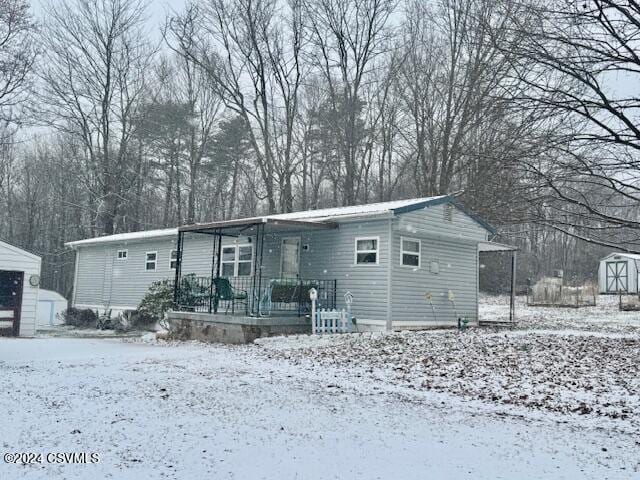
x: 617, y: 277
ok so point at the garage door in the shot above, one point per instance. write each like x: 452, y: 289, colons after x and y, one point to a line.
x: 10, y: 302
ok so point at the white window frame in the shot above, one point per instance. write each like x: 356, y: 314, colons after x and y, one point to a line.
x: 171, y: 259
x: 376, y: 251
x: 407, y: 252
x: 146, y: 261
x: 122, y: 259
x: 236, y: 259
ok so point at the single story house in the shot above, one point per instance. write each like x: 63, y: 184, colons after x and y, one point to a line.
x: 618, y: 273
x: 19, y: 282
x: 405, y: 264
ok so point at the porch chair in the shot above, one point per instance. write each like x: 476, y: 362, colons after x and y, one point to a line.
x: 227, y: 293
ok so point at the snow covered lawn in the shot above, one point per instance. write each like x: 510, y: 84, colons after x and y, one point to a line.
x: 595, y: 376
x: 604, y: 317
x: 187, y: 411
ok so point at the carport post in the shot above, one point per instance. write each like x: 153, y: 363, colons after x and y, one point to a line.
x: 512, y: 300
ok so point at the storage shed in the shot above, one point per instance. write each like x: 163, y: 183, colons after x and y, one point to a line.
x: 50, y: 305
x: 19, y: 280
x: 618, y: 273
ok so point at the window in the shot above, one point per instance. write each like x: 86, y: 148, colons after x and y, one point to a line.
x: 236, y: 260
x: 409, y: 252
x: 122, y: 254
x: 151, y: 259
x: 173, y: 259
x: 367, y: 250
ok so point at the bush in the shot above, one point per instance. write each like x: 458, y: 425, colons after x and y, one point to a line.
x: 155, y: 303
x: 79, y: 317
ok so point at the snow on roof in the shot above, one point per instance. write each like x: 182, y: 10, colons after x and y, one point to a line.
x: 356, y: 210
x: 633, y: 256
x: 126, y: 237
x: 50, y: 296
x: 324, y: 214
x: 19, y: 250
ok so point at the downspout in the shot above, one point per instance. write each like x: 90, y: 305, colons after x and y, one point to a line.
x: 477, y: 284
x: 75, y: 277
x: 389, y: 325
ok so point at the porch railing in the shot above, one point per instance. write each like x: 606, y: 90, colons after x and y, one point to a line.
x: 269, y: 296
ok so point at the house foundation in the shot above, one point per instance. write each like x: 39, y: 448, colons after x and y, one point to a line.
x: 233, y: 329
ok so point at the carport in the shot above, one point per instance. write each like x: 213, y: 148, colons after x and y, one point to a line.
x: 501, y: 248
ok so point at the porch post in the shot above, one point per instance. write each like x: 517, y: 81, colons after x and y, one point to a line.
x: 217, y: 265
x: 219, y: 254
x: 512, y: 300
x: 260, y: 266
x: 213, y: 267
x: 176, y: 281
x: 257, y: 270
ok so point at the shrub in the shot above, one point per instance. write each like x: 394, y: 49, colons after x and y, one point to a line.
x: 79, y: 317
x: 159, y: 298
x: 155, y: 303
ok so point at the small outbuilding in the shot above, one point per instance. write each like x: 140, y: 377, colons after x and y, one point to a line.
x: 19, y: 281
x: 50, y: 306
x: 618, y: 273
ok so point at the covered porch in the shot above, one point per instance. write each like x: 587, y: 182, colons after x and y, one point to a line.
x: 256, y: 269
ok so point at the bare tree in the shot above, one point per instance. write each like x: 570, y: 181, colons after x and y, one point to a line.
x: 17, y: 54
x: 94, y: 77
x: 251, y: 53
x: 348, y: 35
x: 581, y: 62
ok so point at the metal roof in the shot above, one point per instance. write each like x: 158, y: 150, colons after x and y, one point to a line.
x: 495, y: 247
x: 633, y: 256
x: 125, y: 237
x: 321, y: 218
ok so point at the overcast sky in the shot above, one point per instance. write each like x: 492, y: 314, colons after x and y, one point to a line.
x: 157, y: 10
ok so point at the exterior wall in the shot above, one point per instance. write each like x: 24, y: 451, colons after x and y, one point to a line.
x: 632, y: 273
x: 14, y: 259
x: 331, y: 255
x: 103, y: 281
x: 453, y: 244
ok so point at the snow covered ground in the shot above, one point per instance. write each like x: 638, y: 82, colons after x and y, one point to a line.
x: 604, y: 317
x: 188, y: 411
x: 556, y: 397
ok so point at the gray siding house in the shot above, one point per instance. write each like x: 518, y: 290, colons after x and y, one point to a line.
x: 409, y: 264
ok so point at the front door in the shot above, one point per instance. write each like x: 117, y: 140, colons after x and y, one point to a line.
x: 10, y: 302
x: 290, y: 257
x: 617, y: 277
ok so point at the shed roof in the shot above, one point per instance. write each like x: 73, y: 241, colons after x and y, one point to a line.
x: 50, y: 296
x: 633, y: 256
x: 20, y: 251
x: 321, y: 218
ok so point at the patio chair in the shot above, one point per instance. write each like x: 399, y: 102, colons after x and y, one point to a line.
x: 227, y: 293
